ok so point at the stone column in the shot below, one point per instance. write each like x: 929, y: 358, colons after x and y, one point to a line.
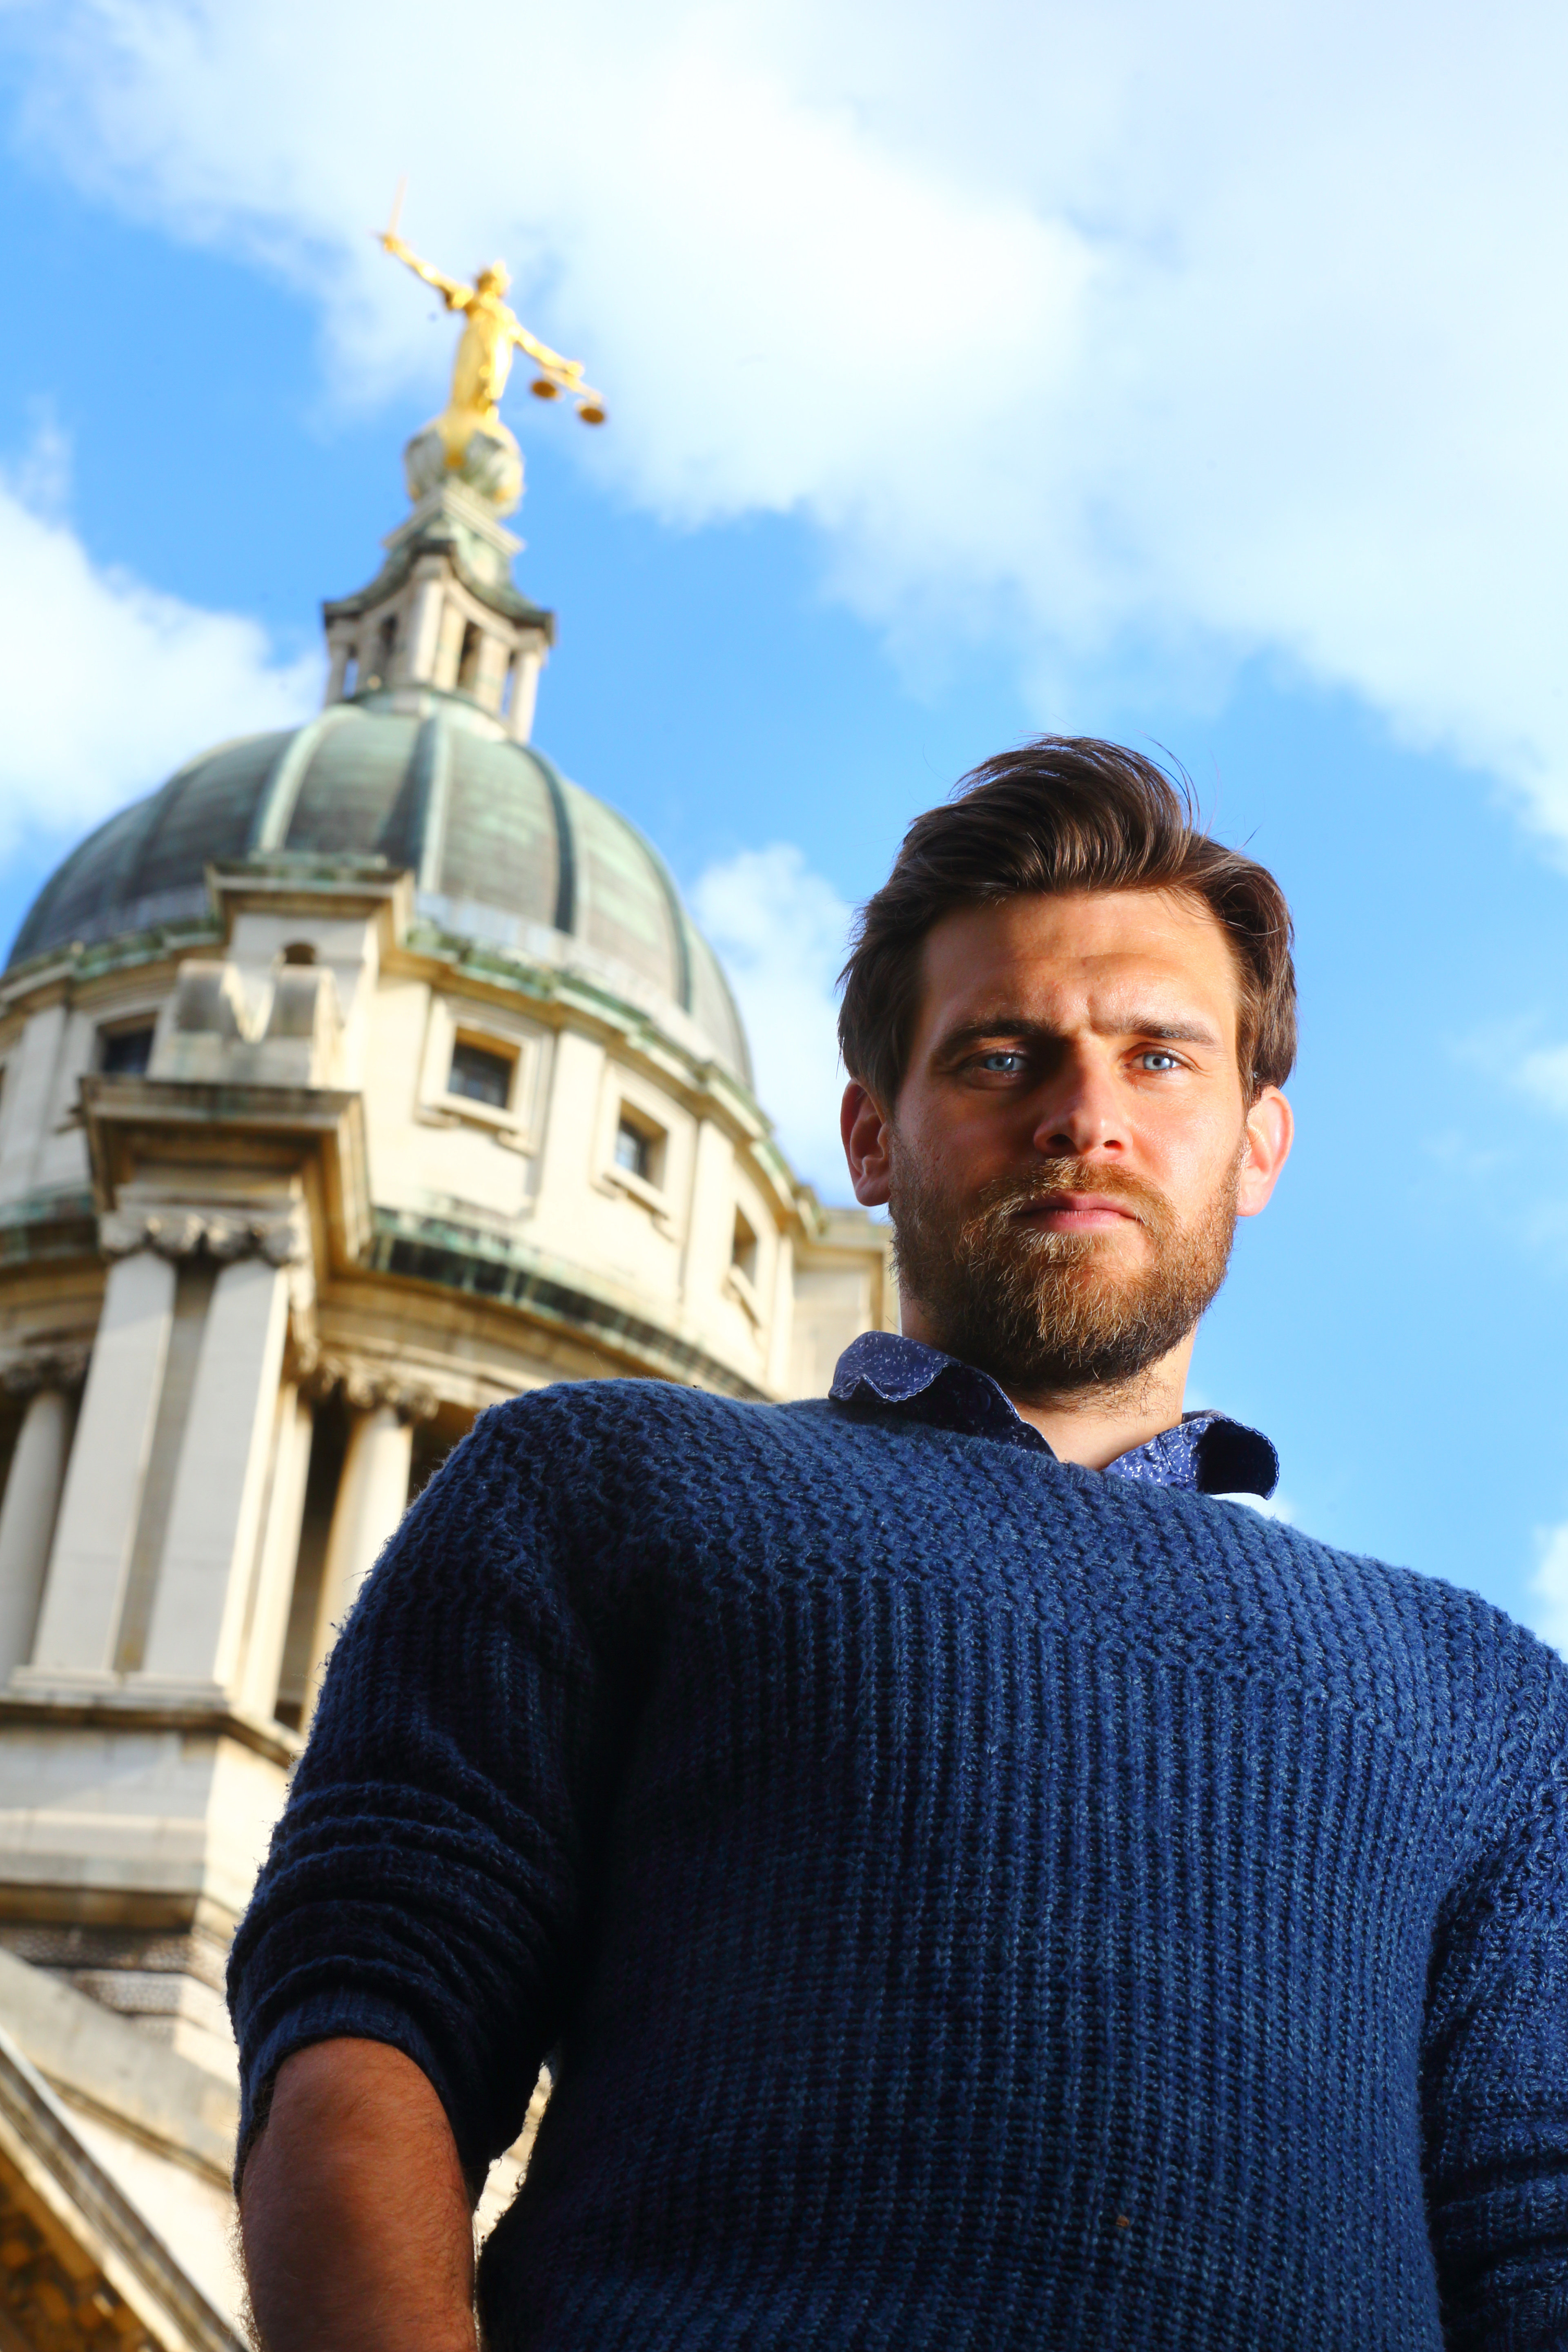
x: 491, y: 683
x: 85, y: 1587
x: 423, y: 630
x: 448, y: 646
x: 277, y: 1555
x: 524, y: 695
x: 203, y: 1578
x: 372, y: 1494
x: 27, y: 1518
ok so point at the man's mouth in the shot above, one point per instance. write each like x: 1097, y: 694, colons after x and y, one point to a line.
x: 1076, y: 1212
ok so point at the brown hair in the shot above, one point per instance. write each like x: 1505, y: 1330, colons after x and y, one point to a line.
x: 1062, y: 814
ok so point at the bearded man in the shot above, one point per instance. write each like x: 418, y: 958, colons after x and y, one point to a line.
x: 979, y: 1888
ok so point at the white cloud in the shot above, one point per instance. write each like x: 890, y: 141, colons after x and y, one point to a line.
x: 1544, y: 1074
x: 1548, y: 1613
x: 1268, y: 1506
x: 117, y: 683
x: 1158, y: 337
x: 781, y: 931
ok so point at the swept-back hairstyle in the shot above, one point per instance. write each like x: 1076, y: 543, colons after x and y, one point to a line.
x: 1062, y: 814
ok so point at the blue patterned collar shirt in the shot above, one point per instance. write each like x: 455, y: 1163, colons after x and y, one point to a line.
x: 1206, y: 1452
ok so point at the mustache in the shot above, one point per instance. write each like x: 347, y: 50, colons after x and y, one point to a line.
x: 1059, y: 1180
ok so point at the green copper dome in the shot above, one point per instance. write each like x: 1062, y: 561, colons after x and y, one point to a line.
x: 504, y: 851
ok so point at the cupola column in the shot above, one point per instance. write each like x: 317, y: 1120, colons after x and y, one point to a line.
x: 424, y: 627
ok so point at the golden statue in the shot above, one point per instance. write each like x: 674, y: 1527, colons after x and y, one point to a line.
x: 491, y: 332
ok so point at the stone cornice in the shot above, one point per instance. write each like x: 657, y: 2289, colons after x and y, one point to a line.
x: 34, y: 1696
x: 132, y: 1122
x: 427, y: 1249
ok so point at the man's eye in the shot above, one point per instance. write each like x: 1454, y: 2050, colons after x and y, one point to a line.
x: 1004, y: 1063
x: 1155, y: 1058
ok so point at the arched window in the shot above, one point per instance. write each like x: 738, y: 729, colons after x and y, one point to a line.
x: 468, y: 659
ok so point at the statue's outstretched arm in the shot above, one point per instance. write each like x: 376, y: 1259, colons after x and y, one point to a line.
x: 540, y: 353
x: 455, y: 296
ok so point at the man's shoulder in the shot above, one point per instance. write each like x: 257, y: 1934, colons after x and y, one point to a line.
x: 1397, y: 1634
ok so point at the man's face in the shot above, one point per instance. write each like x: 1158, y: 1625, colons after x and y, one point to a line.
x: 1071, y: 1145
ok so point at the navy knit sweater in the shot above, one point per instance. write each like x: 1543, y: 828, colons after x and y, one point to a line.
x: 975, y: 1902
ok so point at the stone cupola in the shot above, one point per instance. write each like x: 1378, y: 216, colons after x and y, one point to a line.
x: 443, y: 612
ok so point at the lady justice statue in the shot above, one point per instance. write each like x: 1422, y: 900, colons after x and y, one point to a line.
x: 469, y: 439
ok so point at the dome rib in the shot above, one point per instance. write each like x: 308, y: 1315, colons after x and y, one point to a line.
x: 677, y: 920
x: 430, y: 773
x: 565, y: 845
x: 280, y: 794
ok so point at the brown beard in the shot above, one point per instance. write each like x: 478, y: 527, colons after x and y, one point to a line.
x: 1045, y: 1313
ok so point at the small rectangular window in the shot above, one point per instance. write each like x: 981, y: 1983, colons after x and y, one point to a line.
x: 124, y: 1053
x: 634, y: 1151
x: 481, y: 1076
x: 639, y: 1148
x: 743, y: 1248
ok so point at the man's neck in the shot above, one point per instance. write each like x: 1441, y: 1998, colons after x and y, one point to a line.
x: 1096, y: 1425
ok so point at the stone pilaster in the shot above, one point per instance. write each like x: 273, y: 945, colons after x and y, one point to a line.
x: 203, y: 1577
x: 85, y: 1587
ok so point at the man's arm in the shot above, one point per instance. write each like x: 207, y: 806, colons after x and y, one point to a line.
x: 568, y: 371
x: 426, y: 1891
x: 353, y: 2209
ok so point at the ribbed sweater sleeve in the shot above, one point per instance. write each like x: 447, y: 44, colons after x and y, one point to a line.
x: 424, y: 1883
x: 1495, y: 2081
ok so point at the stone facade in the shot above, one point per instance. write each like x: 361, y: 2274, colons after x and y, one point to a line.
x: 361, y: 1078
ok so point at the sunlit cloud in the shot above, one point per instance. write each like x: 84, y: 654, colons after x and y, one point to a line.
x: 115, y: 683
x: 1148, y: 340
x: 1547, y: 1612
x: 1543, y: 1076
x: 781, y: 931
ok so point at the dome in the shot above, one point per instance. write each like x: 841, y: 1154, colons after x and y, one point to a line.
x: 505, y: 851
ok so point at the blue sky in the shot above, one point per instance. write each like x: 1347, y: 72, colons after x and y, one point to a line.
x: 1203, y: 392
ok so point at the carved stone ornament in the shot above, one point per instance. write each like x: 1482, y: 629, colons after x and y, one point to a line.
x: 282, y: 1240
x: 363, y: 1387
x: 47, y: 1368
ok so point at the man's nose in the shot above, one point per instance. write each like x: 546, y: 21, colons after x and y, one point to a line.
x: 1080, y: 1109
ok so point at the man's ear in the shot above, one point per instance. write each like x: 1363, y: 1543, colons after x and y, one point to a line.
x: 866, y: 1145
x: 1271, y: 1129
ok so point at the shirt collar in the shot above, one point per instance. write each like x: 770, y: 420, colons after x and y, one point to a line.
x: 1206, y: 1452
